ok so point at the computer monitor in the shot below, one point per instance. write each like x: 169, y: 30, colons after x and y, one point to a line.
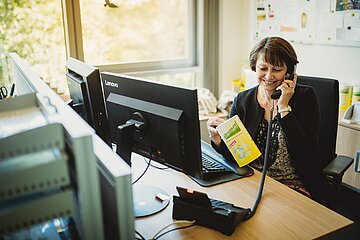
x: 101, y: 181
x: 161, y: 122
x: 165, y: 119
x: 157, y: 121
x: 87, y: 97
x: 116, y: 193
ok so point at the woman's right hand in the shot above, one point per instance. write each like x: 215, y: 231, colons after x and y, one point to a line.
x: 211, y: 125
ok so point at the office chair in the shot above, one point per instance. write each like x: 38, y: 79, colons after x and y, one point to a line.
x: 327, y: 91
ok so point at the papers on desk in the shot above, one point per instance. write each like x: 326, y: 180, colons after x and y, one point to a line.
x: 352, y: 114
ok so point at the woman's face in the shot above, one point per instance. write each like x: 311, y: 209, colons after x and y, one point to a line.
x: 268, y: 76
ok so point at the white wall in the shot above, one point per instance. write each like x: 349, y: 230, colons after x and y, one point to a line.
x: 234, y: 43
x: 236, y: 40
x: 342, y: 63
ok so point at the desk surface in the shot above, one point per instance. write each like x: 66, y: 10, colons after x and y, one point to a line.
x: 281, y: 214
x: 350, y: 125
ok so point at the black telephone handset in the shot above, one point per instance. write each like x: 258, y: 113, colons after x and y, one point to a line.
x: 277, y: 93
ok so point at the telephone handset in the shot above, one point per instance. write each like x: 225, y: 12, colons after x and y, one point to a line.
x: 277, y: 93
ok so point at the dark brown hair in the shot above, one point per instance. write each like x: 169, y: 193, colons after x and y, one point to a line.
x: 275, y: 51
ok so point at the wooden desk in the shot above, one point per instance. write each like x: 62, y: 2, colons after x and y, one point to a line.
x: 282, y: 212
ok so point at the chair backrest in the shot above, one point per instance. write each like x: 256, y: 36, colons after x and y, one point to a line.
x: 327, y: 91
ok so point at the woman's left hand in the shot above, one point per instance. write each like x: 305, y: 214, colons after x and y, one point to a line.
x: 287, y: 91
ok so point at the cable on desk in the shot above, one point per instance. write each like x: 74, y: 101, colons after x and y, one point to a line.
x: 147, y: 167
x: 141, y: 237
x: 158, y: 235
x: 161, y: 168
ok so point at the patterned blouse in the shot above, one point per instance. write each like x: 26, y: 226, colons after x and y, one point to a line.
x: 280, y: 166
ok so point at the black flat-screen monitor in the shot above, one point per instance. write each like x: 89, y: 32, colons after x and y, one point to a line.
x: 166, y: 121
x: 161, y: 122
x: 157, y: 121
x: 87, y: 96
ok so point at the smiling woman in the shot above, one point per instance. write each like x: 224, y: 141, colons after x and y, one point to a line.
x: 295, y: 126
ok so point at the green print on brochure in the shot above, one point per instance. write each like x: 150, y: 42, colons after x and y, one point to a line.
x: 232, y: 131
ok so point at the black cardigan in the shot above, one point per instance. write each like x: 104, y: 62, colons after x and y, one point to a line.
x: 301, y: 129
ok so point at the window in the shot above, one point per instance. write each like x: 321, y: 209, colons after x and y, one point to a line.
x: 135, y: 31
x: 185, y: 79
x: 34, y: 29
x: 139, y: 36
x: 157, y: 39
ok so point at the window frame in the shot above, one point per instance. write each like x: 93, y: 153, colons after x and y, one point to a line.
x: 74, y: 36
x: 203, y: 44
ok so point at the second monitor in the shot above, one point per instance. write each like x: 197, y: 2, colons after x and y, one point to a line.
x: 87, y: 96
x: 161, y: 122
x: 164, y: 116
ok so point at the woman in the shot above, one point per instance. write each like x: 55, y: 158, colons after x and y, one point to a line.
x: 296, y: 122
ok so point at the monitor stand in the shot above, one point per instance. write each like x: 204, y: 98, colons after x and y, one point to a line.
x: 147, y: 199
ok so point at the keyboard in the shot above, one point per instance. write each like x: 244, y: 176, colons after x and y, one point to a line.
x: 215, y: 165
x: 209, y: 165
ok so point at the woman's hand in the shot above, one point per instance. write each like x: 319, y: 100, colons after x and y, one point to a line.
x: 211, y: 125
x: 287, y: 91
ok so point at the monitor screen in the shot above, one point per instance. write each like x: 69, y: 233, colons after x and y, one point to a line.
x: 87, y: 161
x: 166, y: 120
x: 20, y: 75
x: 87, y: 96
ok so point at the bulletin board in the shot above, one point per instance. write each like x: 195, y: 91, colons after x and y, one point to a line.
x: 334, y: 22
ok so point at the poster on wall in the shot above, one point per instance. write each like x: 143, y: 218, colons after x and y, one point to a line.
x: 334, y: 22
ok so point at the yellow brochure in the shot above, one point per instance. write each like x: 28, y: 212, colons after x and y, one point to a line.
x: 238, y: 141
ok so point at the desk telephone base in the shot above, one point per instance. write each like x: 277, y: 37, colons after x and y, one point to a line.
x: 211, y: 213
